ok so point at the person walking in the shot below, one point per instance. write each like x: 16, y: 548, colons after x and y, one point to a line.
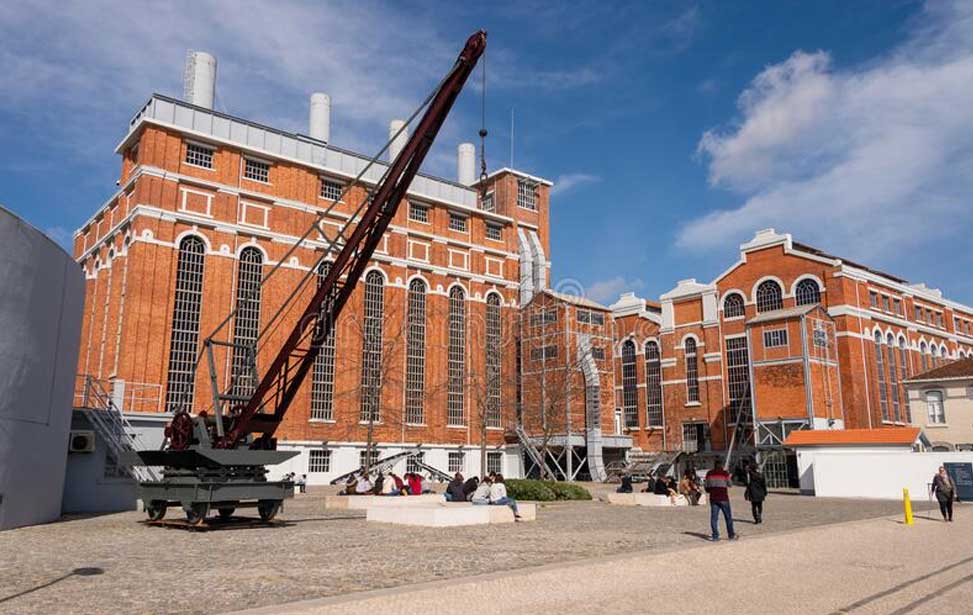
x: 717, y: 485
x: 756, y: 493
x: 945, y: 492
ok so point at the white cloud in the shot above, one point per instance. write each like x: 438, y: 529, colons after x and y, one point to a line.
x: 868, y: 161
x: 570, y: 181
x: 607, y: 291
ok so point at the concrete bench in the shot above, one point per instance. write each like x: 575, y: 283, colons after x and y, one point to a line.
x: 649, y: 499
x: 363, y: 502
x: 450, y: 514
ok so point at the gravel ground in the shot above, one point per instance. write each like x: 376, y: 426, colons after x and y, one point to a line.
x: 319, y: 553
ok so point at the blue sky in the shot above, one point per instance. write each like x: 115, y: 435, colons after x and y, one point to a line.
x: 673, y: 130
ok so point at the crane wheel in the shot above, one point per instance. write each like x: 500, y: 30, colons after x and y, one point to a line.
x: 156, y: 510
x: 226, y: 513
x: 197, y: 513
x: 268, y: 509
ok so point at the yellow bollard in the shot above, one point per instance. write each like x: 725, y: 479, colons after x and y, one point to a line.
x: 907, y: 504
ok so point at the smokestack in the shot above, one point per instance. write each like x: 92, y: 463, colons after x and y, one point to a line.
x: 466, y: 164
x: 319, y: 120
x: 199, y: 80
x: 399, y: 141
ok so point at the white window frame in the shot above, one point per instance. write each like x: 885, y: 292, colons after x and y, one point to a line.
x: 931, y: 415
x: 453, y: 215
x: 414, y: 250
x: 319, y: 458
x: 493, y: 266
x: 496, y: 227
x: 247, y: 161
x: 328, y: 182
x: 207, y: 195
x: 416, y: 207
x: 776, y: 338
x: 203, y: 146
x: 246, y: 205
x: 464, y: 259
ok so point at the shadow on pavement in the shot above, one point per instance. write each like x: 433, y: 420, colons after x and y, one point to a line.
x: 77, y: 572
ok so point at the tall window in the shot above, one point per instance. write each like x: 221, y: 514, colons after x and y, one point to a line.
x: 180, y: 383
x: 456, y: 398
x: 904, y: 371
x: 922, y: 355
x: 692, y: 371
x: 493, y: 360
x: 653, y: 384
x: 629, y: 385
x: 738, y: 376
x: 371, y: 373
x: 769, y: 296
x: 880, y: 365
x: 934, y: 408
x: 246, y: 323
x: 733, y: 306
x: 807, y: 292
x: 893, y: 378
x: 526, y: 194
x: 322, y: 376
x: 415, y: 360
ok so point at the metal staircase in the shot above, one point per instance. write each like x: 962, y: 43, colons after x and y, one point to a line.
x: 641, y: 465
x: 114, y: 429
x: 383, y: 465
x: 532, y: 453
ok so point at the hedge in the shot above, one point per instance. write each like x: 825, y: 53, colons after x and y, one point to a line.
x: 545, y: 490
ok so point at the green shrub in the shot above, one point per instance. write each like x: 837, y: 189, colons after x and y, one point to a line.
x: 544, y: 490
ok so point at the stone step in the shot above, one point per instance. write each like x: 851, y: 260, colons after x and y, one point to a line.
x: 649, y: 499
x: 364, y: 502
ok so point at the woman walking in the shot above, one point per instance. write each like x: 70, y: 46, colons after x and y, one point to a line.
x: 945, y: 490
x: 756, y: 493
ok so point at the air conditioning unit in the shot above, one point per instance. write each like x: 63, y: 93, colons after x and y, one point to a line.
x: 82, y: 441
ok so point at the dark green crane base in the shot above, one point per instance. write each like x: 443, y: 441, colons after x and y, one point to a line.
x: 201, y: 480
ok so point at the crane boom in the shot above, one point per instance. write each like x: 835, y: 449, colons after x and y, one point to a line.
x: 279, y: 385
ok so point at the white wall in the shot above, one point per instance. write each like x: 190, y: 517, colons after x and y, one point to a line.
x: 882, y: 475
x: 806, y: 455
x: 40, y: 321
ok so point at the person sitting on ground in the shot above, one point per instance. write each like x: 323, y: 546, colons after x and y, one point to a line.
x: 379, y: 485
x: 415, y: 483
x: 688, y: 488
x: 649, y: 485
x: 626, y: 486
x: 469, y: 487
x: 364, y: 486
x: 661, y: 486
x: 351, y: 486
x: 454, y: 489
x: 426, y: 485
x: 482, y: 493
x: 396, y: 485
x: 499, y: 497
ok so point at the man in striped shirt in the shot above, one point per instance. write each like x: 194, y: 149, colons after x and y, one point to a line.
x: 718, y: 487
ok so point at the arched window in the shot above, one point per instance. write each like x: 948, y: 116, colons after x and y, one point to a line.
x: 769, y: 296
x: 904, y: 375
x: 493, y: 418
x: 371, y: 373
x: 415, y: 360
x: 456, y: 397
x: 629, y: 385
x: 934, y: 408
x: 322, y: 375
x: 935, y: 356
x: 246, y: 321
x: 180, y: 382
x: 922, y: 353
x: 653, y: 384
x: 733, y: 305
x: 880, y: 367
x: 738, y: 377
x: 893, y: 378
x: 807, y: 292
x: 692, y: 371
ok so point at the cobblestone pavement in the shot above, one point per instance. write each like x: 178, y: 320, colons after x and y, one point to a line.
x: 324, y: 553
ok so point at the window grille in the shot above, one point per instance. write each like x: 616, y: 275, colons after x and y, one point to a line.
x: 880, y: 367
x: 738, y: 376
x: 371, y: 373
x: 893, y: 379
x: 598, y: 353
x: 412, y: 463
x: 873, y: 298
x: 653, y: 385
x: 692, y: 371
x: 934, y: 408
x: 769, y: 296
x: 590, y: 317
x: 456, y: 397
x: 885, y: 303
x: 454, y: 462
x: 487, y: 203
x: 547, y: 352
x: 246, y: 322
x: 322, y: 376
x: 419, y: 213
x: 457, y: 222
x: 493, y: 418
x: 415, y: 360
x: 904, y: 375
x: 180, y: 383
x: 494, y: 232
x: 733, y: 306
x: 331, y: 190
x: 526, y: 195
x: 256, y: 170
x: 629, y: 385
x: 199, y: 155
x: 495, y: 462
x: 318, y: 461
x: 807, y: 292
x: 365, y: 457
x: 775, y: 338
x: 543, y: 317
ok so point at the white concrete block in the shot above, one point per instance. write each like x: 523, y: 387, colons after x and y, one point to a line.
x: 450, y: 514
x: 363, y: 502
x: 648, y: 499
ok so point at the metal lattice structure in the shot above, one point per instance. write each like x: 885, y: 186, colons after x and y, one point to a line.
x: 188, y: 297
x: 415, y: 359
x: 456, y: 394
x: 371, y: 359
x: 629, y: 383
x: 492, y: 351
x: 246, y: 325
x: 322, y: 375
x: 653, y: 385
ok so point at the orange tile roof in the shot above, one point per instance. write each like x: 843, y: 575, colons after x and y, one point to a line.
x: 904, y: 436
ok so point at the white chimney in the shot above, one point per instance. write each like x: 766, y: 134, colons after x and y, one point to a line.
x: 319, y: 121
x: 397, y: 142
x: 466, y: 164
x: 199, y: 80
